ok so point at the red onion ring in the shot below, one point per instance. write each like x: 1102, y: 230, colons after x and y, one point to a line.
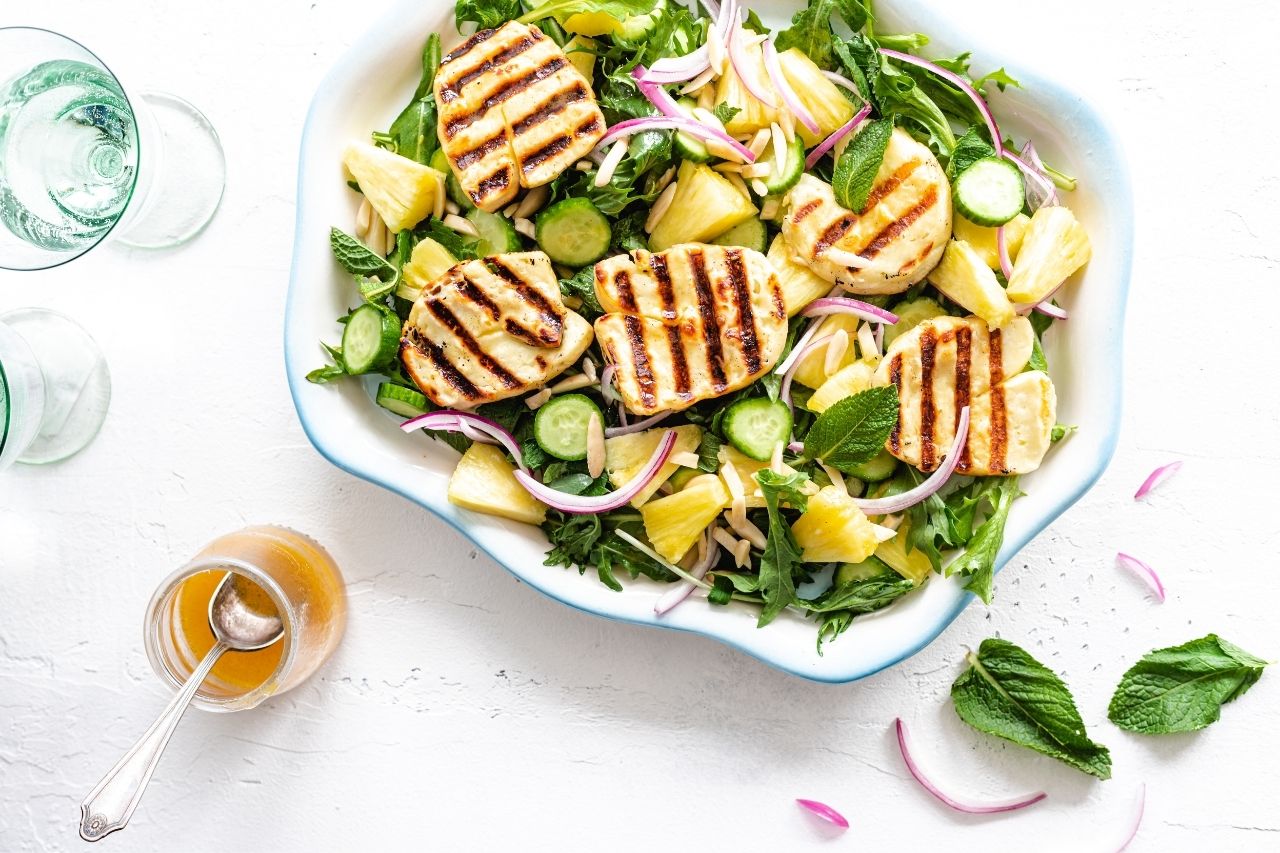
x: 958, y: 805
x: 960, y: 83
x: 784, y: 390
x: 681, y: 590
x: 607, y: 391
x: 1143, y: 571
x: 680, y: 68
x: 1002, y: 247
x: 451, y: 420
x: 741, y: 63
x: 593, y: 504
x: 1039, y: 198
x: 688, y: 125
x: 1155, y: 478
x: 656, y: 95
x: 638, y: 426
x: 796, y: 447
x: 825, y: 812
x: 1137, y: 818
x: 844, y: 305
x: 935, y: 481
x: 1049, y: 309
x: 1045, y: 185
x: 840, y: 133
x: 844, y: 83
x: 774, y: 67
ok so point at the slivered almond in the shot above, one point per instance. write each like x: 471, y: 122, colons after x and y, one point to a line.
x: 836, y: 478
x: 438, y: 207
x: 836, y: 349
x: 731, y: 476
x: 666, y: 179
x: 739, y: 184
x: 867, y: 343
x: 708, y: 118
x: 461, y: 225
x: 698, y: 82
x: 526, y: 227
x: 882, y: 533
x: 715, y: 50
x: 589, y: 370
x: 595, y: 446
x: 757, y: 170
x: 451, y: 207
x: 775, y: 461
x: 611, y: 161
x: 684, y: 458
x: 788, y: 122
x: 510, y: 210
x: 736, y: 168
x: 737, y: 514
x: 752, y: 534
x: 759, y: 187
x: 533, y: 201
x: 760, y: 141
x: 779, y: 146
x: 572, y: 383
x: 726, y: 539
x: 742, y: 554
x: 660, y: 207
x: 537, y: 401
x: 364, y: 215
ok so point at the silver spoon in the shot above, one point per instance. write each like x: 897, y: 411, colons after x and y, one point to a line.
x: 236, y: 626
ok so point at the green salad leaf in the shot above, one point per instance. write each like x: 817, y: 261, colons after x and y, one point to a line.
x: 855, y: 171
x: 583, y: 285
x: 969, y: 149
x: 854, y: 429
x: 1007, y: 693
x: 1183, y: 688
x: 811, y: 33
x: 978, y: 560
x: 485, y: 13
x: 413, y: 133
x: 777, y: 581
x: 619, y: 9
x: 358, y: 259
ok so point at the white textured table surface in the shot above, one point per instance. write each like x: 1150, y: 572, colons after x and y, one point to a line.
x: 466, y: 712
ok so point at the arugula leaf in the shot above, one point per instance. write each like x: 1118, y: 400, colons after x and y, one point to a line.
x: 1060, y: 431
x: 579, y: 541
x: 328, y: 373
x: 856, y: 169
x: 833, y: 625
x: 358, y: 259
x: 486, y: 13
x: 861, y: 596
x: 618, y: 9
x: 781, y: 553
x: 854, y: 429
x: 978, y: 560
x: 1037, y: 360
x: 811, y: 32
x: 583, y: 285
x: 969, y: 149
x: 1183, y: 688
x: 414, y: 130
x: 1007, y: 693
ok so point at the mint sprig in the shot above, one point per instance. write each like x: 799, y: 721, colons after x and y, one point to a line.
x: 854, y: 429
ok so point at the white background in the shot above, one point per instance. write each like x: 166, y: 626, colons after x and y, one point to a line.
x: 464, y: 712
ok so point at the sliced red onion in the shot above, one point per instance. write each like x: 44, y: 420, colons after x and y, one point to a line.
x: 780, y: 82
x: 593, y: 504
x: 960, y: 83
x: 1155, y: 478
x: 840, y: 133
x: 606, y: 384
x: 784, y: 390
x: 450, y: 420
x: 1137, y: 818
x: 656, y: 95
x: 1049, y: 309
x: 959, y: 805
x: 1002, y: 248
x: 1037, y: 197
x: 844, y: 305
x: 825, y: 812
x: 796, y: 447
x: 935, y: 481
x: 1028, y: 307
x: 844, y: 83
x: 1143, y: 571
x: 742, y: 63
x: 638, y: 426
x: 1043, y: 184
x: 681, y: 590
x: 688, y: 125
x: 681, y: 68
x: 879, y: 333
x: 622, y: 416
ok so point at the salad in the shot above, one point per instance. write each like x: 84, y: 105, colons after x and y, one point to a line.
x: 756, y: 314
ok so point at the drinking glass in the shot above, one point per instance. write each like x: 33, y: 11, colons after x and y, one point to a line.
x: 82, y: 157
x: 54, y: 387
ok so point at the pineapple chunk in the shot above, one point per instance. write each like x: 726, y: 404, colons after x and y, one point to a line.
x: 825, y: 102
x: 752, y: 115
x: 983, y: 240
x: 591, y: 24
x: 812, y: 372
x: 705, y: 205
x: 485, y: 481
x: 1055, y: 246
x: 847, y: 381
x: 581, y: 53
x: 834, y: 529
x: 625, y: 455
x: 914, y: 566
x: 401, y: 190
x: 965, y: 278
x: 675, y: 522
x: 745, y: 467
x: 429, y: 261
x: 799, y: 284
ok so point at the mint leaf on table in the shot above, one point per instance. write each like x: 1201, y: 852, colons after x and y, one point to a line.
x: 1183, y: 688
x: 856, y: 170
x: 358, y: 259
x: 1007, y: 693
x: 854, y: 429
x: 781, y: 553
x: 978, y: 560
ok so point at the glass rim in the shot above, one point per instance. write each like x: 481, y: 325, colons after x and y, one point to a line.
x: 213, y: 562
x: 6, y: 417
x: 137, y: 139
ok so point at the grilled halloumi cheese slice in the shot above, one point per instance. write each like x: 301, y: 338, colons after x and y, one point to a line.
x: 489, y: 329
x: 513, y: 112
x: 946, y: 363
x: 689, y: 323
x: 899, y: 236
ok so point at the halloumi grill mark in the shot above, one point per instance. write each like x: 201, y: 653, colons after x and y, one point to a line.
x: 688, y: 324
x: 900, y: 234
x: 513, y: 112
x: 489, y: 329
x: 947, y: 363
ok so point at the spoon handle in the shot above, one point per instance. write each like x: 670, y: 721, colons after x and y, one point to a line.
x: 110, y: 805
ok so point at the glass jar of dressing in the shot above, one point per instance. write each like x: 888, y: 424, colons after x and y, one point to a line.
x: 297, y: 578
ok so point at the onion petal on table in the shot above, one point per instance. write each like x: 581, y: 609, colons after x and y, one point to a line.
x: 1142, y: 570
x: 824, y: 811
x: 594, y: 504
x: 638, y: 426
x: 935, y: 481
x: 784, y: 390
x: 840, y: 133
x: 789, y: 96
x: 1155, y: 478
x: 688, y: 125
x: 1136, y: 822
x: 844, y: 305
x: 450, y: 420
x: 959, y: 805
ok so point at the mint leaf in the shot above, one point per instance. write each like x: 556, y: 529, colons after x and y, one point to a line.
x: 781, y: 553
x: 1183, y: 688
x: 978, y: 560
x: 854, y: 429
x: 969, y: 149
x: 855, y: 171
x: 1007, y: 693
x: 358, y: 259
x: 725, y: 112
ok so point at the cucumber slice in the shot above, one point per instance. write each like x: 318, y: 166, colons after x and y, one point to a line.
x: 440, y: 162
x: 990, y: 192
x: 405, y: 402
x: 497, y: 234
x: 636, y: 27
x: 749, y: 235
x: 790, y: 176
x: 872, y: 567
x: 574, y: 232
x: 756, y: 425
x: 690, y: 148
x: 560, y: 427
x: 371, y: 339
x: 877, y: 468
x: 911, y: 314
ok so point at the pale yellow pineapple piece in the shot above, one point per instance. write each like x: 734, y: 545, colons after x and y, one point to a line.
x: 824, y: 100
x: 746, y: 469
x: 983, y: 239
x: 847, y: 381
x: 429, y: 261
x: 964, y: 277
x: 485, y: 481
x: 1055, y: 247
x: 403, y: 191
x: 799, y: 285
x: 705, y: 205
x: 812, y: 372
x: 591, y: 24
x: 834, y: 529
x: 581, y: 53
x: 914, y: 566
x: 752, y: 115
x: 625, y: 455
x: 674, y: 523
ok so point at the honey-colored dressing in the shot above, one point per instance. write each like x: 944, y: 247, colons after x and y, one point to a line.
x: 240, y: 671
